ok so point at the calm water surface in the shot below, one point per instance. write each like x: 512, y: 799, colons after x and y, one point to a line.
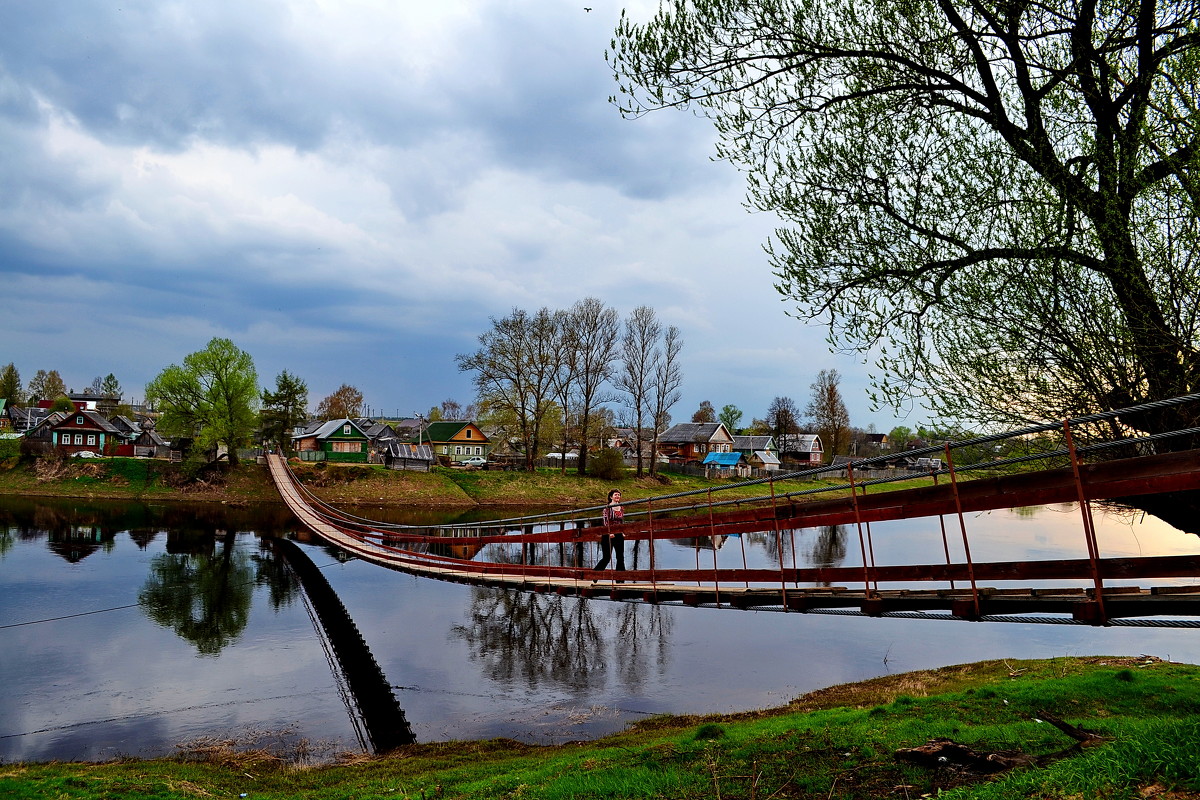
x: 134, y: 630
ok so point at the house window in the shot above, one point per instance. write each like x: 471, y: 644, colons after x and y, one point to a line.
x: 445, y: 450
x: 91, y: 439
x: 347, y: 447
x: 79, y: 420
x: 346, y: 429
x: 478, y: 451
x: 458, y: 450
x: 468, y: 433
x: 79, y: 438
x: 700, y: 448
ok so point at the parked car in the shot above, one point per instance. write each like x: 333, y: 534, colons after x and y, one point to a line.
x: 474, y: 461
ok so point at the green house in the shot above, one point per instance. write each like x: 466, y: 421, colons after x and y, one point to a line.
x: 339, y: 440
x: 456, y: 441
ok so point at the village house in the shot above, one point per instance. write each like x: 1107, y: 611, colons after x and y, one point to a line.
x: 404, y: 455
x: 759, y: 452
x: 725, y: 465
x: 338, y: 440
x: 456, y: 441
x: 84, y: 432
x: 25, y: 418
x: 803, y: 450
x: 692, y: 441
x: 380, y: 435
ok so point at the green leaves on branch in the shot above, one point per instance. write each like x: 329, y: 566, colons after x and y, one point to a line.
x: 1003, y: 197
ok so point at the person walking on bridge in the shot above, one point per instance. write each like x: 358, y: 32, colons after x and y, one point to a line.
x: 609, y: 540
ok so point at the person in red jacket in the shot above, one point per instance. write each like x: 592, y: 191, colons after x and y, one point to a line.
x: 609, y: 540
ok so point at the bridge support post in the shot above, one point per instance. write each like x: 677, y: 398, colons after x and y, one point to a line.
x: 966, y: 608
x: 1089, y: 527
x: 1089, y: 611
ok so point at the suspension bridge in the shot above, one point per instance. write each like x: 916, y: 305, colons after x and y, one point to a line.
x: 1054, y: 464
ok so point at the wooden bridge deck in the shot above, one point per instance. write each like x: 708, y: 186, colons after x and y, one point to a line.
x: 832, y: 588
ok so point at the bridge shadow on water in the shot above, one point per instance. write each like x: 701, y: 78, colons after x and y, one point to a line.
x: 377, y: 717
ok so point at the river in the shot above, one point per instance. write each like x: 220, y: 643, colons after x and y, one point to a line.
x: 135, y: 630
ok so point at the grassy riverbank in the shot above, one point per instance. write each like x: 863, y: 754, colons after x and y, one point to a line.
x: 835, y: 743
x: 143, y: 479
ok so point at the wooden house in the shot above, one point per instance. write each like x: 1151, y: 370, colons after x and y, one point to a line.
x: 402, y: 455
x: 85, y: 431
x: 759, y: 452
x: 338, y: 440
x: 725, y: 465
x: 380, y: 435
x: 692, y: 441
x: 803, y: 450
x: 410, y: 430
x: 455, y: 441
x: 25, y: 418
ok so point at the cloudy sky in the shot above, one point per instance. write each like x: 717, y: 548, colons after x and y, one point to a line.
x: 350, y: 189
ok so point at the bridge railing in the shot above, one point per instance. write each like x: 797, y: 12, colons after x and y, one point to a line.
x: 1051, y: 436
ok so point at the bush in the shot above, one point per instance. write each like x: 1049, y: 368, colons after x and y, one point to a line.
x: 10, y: 453
x: 607, y: 465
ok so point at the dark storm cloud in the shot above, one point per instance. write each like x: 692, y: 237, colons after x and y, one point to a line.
x: 159, y: 74
x: 239, y: 75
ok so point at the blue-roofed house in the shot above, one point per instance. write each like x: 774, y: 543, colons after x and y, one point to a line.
x: 725, y: 465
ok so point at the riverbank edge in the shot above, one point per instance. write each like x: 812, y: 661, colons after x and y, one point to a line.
x: 841, y: 738
x: 142, y: 480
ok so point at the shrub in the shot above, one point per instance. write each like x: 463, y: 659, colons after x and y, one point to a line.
x: 10, y: 453
x: 607, y: 465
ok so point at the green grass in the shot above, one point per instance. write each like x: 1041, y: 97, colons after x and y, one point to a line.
x: 812, y: 749
x: 135, y: 479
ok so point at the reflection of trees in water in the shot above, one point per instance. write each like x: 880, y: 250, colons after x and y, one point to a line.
x: 829, y: 549
x: 205, y: 596
x: 774, y: 543
x: 643, y: 642
x: 283, y: 586
x: 532, y: 638
x: 69, y: 525
x: 202, y: 594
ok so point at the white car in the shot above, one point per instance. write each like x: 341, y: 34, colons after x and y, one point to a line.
x: 474, y: 461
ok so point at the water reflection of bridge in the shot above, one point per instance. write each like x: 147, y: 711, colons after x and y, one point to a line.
x: 378, y: 718
x: 1046, y: 466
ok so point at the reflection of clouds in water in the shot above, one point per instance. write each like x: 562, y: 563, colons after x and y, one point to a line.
x: 531, y: 639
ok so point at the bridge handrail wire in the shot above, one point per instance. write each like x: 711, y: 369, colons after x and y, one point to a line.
x: 463, y: 531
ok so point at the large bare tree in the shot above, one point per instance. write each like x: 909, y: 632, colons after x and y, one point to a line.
x: 515, y: 372
x: 596, y: 329
x: 668, y: 377
x: 346, y: 402
x: 828, y: 412
x: 634, y: 377
x: 996, y: 200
